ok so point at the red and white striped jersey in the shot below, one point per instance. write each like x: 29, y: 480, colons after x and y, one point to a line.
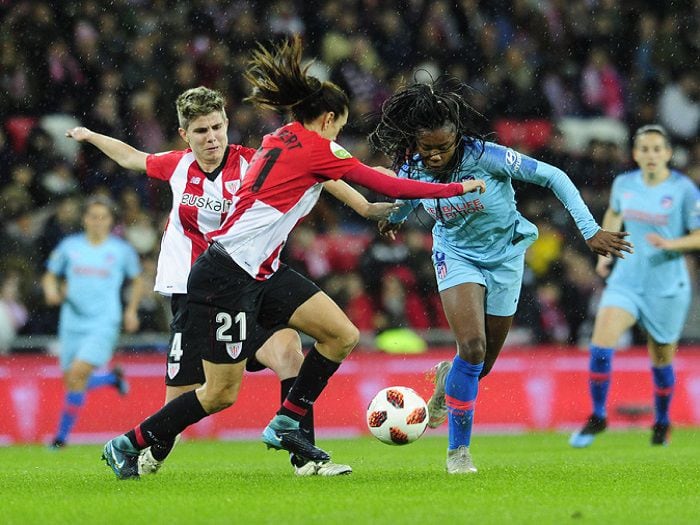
x: 282, y: 185
x: 200, y: 205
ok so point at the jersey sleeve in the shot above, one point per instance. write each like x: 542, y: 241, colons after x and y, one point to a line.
x: 330, y: 160
x: 162, y: 165
x: 691, y: 207
x: 58, y: 260
x: 510, y: 163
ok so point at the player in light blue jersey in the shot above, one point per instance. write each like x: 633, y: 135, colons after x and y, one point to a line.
x: 661, y: 210
x: 479, y: 240
x: 85, y: 273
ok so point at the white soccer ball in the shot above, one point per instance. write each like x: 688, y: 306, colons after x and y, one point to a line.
x: 397, y: 416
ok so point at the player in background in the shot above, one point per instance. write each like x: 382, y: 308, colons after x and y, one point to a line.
x: 479, y: 241
x: 239, y: 287
x: 85, y: 274
x: 203, y: 179
x: 660, y: 208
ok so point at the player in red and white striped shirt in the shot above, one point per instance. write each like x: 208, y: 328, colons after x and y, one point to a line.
x: 238, y: 285
x: 203, y: 179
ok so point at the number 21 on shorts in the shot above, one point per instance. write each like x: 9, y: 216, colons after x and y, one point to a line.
x: 225, y: 322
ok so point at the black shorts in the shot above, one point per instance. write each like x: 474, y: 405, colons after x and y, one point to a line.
x: 230, y: 314
x: 184, y: 361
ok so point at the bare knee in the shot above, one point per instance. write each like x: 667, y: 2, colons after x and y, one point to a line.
x: 216, y: 399
x: 282, y: 354
x: 346, y: 340
x: 76, y: 378
x: 472, y: 350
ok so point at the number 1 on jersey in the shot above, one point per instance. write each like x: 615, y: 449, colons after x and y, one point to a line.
x: 270, y: 157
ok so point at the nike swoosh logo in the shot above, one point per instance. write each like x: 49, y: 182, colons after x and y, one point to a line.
x: 117, y: 463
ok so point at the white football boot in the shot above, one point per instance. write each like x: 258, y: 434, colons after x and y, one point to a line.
x: 459, y: 461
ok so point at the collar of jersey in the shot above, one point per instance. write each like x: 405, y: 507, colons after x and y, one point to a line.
x: 212, y: 175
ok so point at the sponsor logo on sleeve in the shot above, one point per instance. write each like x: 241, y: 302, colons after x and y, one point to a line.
x: 513, y: 159
x: 339, y: 151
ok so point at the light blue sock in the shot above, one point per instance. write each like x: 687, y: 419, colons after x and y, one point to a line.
x: 74, y: 402
x: 664, y: 380
x: 599, y: 379
x: 461, y: 387
x: 105, y: 378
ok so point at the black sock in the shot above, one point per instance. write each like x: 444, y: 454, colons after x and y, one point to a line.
x: 315, y: 372
x: 163, y: 426
x: 160, y: 451
x: 307, y: 422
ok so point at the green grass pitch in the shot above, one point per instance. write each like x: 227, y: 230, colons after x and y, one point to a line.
x: 529, y: 478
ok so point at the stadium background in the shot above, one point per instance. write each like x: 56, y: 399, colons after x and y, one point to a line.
x: 562, y: 81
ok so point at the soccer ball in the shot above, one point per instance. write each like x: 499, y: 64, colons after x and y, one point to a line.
x: 397, y: 415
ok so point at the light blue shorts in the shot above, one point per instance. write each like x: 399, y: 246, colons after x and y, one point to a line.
x: 502, y: 282
x: 662, y: 317
x: 95, y: 348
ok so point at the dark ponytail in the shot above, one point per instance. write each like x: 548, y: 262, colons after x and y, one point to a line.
x: 279, y: 82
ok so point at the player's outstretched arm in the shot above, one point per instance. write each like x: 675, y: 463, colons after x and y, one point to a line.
x: 399, y: 188
x: 374, y: 211
x: 126, y: 156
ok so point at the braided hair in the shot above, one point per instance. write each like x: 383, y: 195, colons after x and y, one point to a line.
x: 425, y: 107
x: 281, y: 83
x: 422, y: 107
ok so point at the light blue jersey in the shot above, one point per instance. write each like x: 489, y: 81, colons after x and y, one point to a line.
x: 670, y: 209
x: 487, y: 229
x: 94, y: 275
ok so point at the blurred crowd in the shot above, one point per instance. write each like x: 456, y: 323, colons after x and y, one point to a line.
x: 565, y: 81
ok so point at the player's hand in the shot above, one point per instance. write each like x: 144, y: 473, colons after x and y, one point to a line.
x: 474, y: 185
x: 379, y: 211
x: 659, y: 242
x: 602, y: 268
x: 80, y: 133
x: 610, y: 243
x: 131, y: 321
x: 385, y: 171
x: 389, y: 229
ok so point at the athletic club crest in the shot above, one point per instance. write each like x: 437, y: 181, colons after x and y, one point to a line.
x: 666, y: 202
x: 173, y: 369
x: 234, y: 349
x: 232, y: 186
